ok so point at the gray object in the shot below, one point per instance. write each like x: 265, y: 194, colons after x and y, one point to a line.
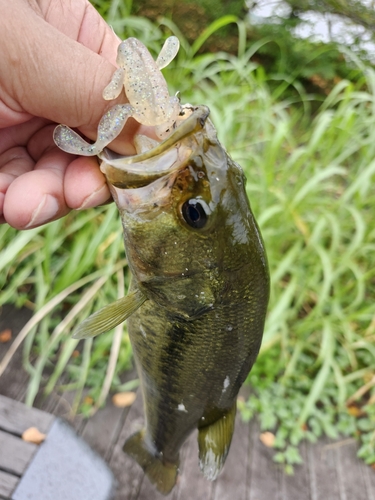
x: 65, y: 468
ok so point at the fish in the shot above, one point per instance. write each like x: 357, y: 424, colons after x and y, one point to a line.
x: 199, y: 290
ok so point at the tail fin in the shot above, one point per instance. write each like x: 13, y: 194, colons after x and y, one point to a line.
x: 162, y: 474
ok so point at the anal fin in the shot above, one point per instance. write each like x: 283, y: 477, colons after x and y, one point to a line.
x: 214, y: 442
x: 161, y: 473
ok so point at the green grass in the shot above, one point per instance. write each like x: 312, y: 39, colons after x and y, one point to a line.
x: 311, y: 186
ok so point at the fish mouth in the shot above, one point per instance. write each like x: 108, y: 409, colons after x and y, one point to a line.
x: 130, y: 172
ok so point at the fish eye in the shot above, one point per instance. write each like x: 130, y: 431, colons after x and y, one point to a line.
x: 194, y: 214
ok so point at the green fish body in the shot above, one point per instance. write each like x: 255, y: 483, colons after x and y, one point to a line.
x: 199, y: 293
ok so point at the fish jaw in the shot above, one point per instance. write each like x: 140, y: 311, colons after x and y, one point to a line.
x: 118, y: 169
x: 190, y: 165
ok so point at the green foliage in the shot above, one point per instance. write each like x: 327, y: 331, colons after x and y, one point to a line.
x: 38, y: 266
x: 191, y: 17
x: 355, y: 10
x: 316, y: 65
x: 311, y: 185
x: 200, y: 13
x: 311, y: 189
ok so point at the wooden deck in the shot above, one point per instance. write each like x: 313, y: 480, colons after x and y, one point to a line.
x: 331, y: 470
x: 16, y: 454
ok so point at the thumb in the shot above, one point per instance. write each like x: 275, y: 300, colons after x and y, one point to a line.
x: 53, y: 76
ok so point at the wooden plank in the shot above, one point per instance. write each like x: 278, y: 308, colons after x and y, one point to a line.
x: 264, y: 474
x: 297, y: 485
x: 351, y: 472
x: 369, y: 473
x: 110, y: 421
x: 231, y: 483
x: 8, y: 483
x: 13, y: 381
x: 322, y: 463
x: 192, y: 483
x: 50, y: 403
x: 127, y: 472
x: 13, y: 318
x: 15, y: 417
x: 15, y: 454
x: 60, y: 404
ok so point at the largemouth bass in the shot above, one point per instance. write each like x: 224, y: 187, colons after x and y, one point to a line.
x: 199, y: 292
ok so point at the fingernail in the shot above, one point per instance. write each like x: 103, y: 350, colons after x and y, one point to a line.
x: 45, y: 211
x: 94, y: 199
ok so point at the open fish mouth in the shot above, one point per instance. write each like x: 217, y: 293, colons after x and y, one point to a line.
x: 130, y: 172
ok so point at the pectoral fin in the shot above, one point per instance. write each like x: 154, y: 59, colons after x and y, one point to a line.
x: 214, y: 442
x: 109, y: 316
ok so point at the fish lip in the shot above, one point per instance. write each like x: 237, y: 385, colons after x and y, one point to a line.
x: 135, y: 171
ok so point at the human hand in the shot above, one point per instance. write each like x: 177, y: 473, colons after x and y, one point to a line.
x: 57, y: 57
